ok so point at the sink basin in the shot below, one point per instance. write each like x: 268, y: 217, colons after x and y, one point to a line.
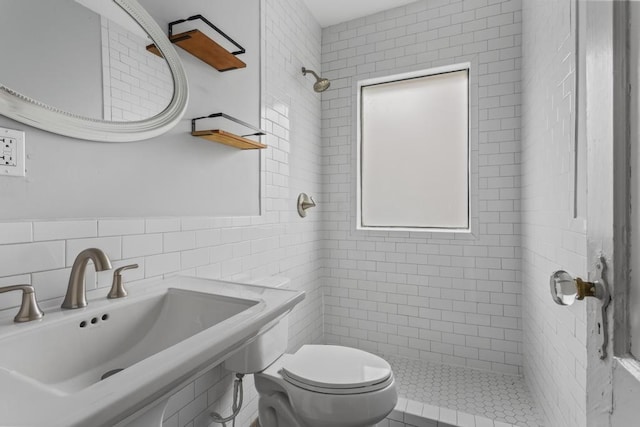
x: 122, y: 335
x: 106, y: 363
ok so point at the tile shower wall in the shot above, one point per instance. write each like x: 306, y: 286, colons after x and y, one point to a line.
x: 554, y: 337
x: 276, y: 243
x: 453, y: 298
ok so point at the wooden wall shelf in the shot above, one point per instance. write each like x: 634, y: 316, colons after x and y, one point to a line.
x: 203, y: 47
x: 228, y: 138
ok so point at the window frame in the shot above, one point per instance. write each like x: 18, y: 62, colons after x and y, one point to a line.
x: 466, y: 66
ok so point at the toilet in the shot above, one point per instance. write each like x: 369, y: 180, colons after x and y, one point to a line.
x: 317, y: 386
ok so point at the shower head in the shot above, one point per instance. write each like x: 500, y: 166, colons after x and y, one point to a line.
x: 321, y: 84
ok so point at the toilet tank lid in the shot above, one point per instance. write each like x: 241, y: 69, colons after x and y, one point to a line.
x: 330, y: 366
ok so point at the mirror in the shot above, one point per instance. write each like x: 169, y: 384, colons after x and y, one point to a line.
x: 95, y: 54
x: 83, y: 69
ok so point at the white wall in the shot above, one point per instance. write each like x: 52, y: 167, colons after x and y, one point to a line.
x: 175, y: 174
x: 554, y: 337
x: 445, y: 297
x: 276, y: 243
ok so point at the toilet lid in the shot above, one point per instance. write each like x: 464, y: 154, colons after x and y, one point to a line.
x: 335, y: 367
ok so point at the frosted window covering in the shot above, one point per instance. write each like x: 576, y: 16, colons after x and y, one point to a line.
x: 415, y: 153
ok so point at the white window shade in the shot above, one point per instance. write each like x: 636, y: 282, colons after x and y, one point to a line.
x: 414, y: 152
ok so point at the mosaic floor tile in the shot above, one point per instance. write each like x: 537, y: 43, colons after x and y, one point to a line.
x: 496, y: 396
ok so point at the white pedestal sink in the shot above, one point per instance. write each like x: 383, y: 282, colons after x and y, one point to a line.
x: 160, y: 337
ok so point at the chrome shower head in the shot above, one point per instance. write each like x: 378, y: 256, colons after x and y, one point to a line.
x: 321, y: 84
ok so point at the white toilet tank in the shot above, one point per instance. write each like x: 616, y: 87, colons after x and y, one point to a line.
x: 265, y: 349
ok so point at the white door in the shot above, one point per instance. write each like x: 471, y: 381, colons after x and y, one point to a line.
x: 612, y: 74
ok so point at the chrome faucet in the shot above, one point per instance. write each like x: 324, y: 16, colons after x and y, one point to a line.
x: 76, y: 291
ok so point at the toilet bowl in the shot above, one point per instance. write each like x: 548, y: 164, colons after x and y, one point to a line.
x: 317, y: 386
x: 323, y: 385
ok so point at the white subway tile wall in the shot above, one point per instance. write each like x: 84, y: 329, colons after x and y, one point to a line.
x: 444, y: 297
x: 276, y: 243
x: 554, y: 337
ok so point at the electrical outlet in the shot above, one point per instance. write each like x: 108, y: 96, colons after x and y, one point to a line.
x: 12, y: 157
x: 8, y: 152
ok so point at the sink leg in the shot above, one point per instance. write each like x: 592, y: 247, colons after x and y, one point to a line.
x: 149, y: 416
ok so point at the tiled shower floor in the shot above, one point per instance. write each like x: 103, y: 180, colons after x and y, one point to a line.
x: 492, y: 395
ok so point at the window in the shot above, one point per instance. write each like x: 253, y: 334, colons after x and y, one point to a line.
x: 413, y: 151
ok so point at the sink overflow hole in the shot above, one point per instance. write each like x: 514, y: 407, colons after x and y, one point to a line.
x: 109, y: 373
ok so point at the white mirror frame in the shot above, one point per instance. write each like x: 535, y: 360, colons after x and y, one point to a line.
x: 37, y: 114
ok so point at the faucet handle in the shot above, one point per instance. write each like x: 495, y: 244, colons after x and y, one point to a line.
x: 29, y: 309
x: 117, y: 287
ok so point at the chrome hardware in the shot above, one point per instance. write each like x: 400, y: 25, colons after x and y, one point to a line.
x: 565, y: 290
x: 76, y: 291
x: 29, y: 309
x: 305, y: 202
x: 117, y: 287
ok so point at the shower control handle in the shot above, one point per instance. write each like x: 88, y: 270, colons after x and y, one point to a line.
x: 304, y: 202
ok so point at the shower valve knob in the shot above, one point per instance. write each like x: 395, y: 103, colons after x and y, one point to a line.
x: 305, y: 202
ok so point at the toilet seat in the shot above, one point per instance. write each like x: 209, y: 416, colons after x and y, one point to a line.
x: 336, y: 370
